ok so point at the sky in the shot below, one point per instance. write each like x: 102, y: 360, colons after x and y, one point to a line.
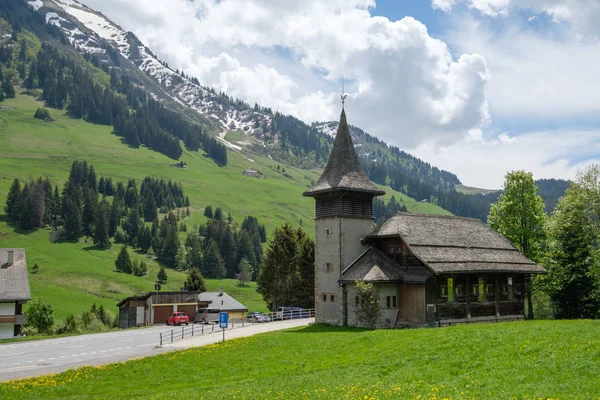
x: 476, y: 87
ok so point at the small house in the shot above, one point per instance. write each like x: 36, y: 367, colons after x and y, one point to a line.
x: 223, y: 302
x: 14, y: 291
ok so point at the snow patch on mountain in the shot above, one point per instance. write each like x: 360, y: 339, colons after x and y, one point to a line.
x: 37, y: 4
x: 178, y: 87
x: 328, y: 128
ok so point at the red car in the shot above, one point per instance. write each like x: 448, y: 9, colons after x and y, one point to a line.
x: 178, y: 318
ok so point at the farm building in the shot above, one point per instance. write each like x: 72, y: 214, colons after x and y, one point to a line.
x: 14, y: 291
x: 155, y: 307
x: 428, y: 269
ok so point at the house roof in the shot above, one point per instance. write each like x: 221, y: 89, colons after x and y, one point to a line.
x: 14, y: 282
x: 220, y: 301
x: 456, y: 244
x: 343, y: 170
x: 377, y: 267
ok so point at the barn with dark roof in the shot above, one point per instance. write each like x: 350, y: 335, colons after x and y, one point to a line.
x: 429, y: 269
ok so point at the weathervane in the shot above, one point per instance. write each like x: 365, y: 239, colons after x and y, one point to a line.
x: 343, y: 95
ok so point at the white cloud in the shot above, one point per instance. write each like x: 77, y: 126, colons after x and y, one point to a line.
x: 483, y: 163
x: 583, y: 15
x: 407, y: 85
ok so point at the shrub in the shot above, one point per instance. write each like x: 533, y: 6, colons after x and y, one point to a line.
x: 43, y: 114
x: 121, y: 236
x: 40, y: 315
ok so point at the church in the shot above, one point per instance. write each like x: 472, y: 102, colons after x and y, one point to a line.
x: 430, y: 270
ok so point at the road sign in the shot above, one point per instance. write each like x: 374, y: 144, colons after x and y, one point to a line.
x: 223, y: 320
x: 157, y: 286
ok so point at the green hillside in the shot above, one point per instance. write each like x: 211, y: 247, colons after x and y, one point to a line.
x: 73, y: 276
x: 519, y: 360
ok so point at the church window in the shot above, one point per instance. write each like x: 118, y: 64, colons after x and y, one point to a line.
x: 332, y: 298
x: 328, y: 232
x: 391, y: 302
x: 324, y: 298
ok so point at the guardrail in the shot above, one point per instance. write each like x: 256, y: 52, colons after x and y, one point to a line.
x: 182, y: 332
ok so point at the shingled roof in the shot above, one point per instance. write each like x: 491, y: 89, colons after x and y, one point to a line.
x: 375, y: 266
x: 343, y: 171
x: 14, y: 282
x: 449, y: 244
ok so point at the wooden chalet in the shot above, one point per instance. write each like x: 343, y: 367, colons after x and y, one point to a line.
x: 445, y: 269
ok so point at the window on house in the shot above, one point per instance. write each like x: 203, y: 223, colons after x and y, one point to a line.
x: 328, y: 267
x: 356, y: 301
x: 327, y: 232
x: 324, y: 298
x: 332, y: 298
x: 394, y: 302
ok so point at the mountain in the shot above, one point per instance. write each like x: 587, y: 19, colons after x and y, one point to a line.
x: 240, y: 127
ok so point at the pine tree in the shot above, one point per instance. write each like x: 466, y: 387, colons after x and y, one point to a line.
x: 218, y: 214
x: 8, y: 89
x: 208, y: 213
x: 195, y: 281
x: 162, y: 275
x: 213, y: 265
x: 123, y: 262
x: 101, y: 238
x: 12, y: 200
x: 72, y: 216
x: 90, y: 206
x: 150, y: 208
x: 170, y: 246
x: 134, y: 224
x: 145, y: 239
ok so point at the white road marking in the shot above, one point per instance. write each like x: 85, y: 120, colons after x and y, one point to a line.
x: 74, y: 347
x: 93, y: 352
x: 128, y: 340
x: 17, y: 364
x: 128, y: 347
x: 73, y: 355
x: 41, y: 360
x: 146, y: 345
x: 53, y: 358
x: 11, y: 354
x: 63, y: 356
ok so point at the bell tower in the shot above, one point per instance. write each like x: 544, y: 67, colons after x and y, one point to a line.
x: 344, y: 215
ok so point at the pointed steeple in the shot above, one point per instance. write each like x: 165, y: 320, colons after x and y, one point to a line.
x: 343, y: 171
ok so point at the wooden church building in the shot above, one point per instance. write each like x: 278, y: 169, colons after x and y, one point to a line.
x: 429, y: 269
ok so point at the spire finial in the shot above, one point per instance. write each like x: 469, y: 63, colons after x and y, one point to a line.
x: 343, y: 95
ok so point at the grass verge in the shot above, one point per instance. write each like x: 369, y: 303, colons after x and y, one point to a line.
x: 524, y: 360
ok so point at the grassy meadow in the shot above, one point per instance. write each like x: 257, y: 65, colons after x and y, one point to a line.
x: 520, y: 360
x: 72, y: 276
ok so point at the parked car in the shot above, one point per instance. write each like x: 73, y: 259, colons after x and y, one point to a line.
x: 291, y: 313
x: 256, y: 316
x: 178, y: 318
x: 207, y: 315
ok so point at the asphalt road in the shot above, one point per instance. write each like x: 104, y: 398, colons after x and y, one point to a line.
x: 37, y: 357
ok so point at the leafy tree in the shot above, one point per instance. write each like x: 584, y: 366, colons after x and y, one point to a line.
x: 101, y: 238
x: 519, y: 216
x: 573, y: 280
x: 244, y: 273
x: 181, y: 259
x: 162, y: 275
x: 40, y: 315
x: 287, y: 257
x: 367, y: 310
x: 213, y: 265
x: 123, y: 262
x: 195, y: 281
x: 12, y: 200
